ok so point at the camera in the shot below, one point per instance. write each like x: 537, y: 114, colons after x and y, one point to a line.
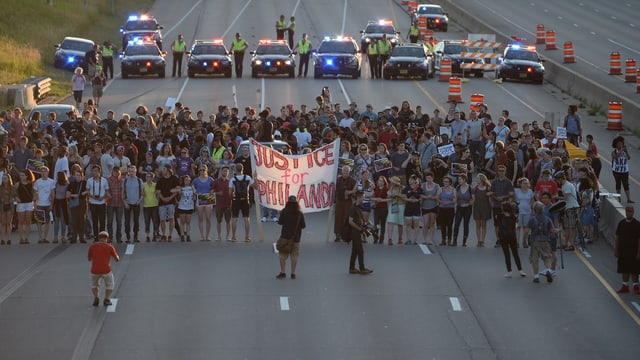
x: 370, y: 230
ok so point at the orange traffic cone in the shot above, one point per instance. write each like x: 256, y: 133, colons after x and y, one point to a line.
x: 551, y: 40
x: 630, y: 70
x: 568, y: 52
x: 540, y: 35
x: 445, y: 70
x: 615, y: 64
x: 455, y: 89
x: 614, y: 115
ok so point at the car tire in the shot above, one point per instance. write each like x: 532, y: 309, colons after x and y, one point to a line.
x: 125, y: 75
x: 190, y: 74
x: 479, y: 74
x: 355, y: 75
x: 445, y: 28
x: 227, y: 74
x: 161, y: 74
x: 254, y: 73
x: 317, y: 74
x: 425, y: 76
x: 539, y: 81
x: 385, y: 75
x: 292, y: 73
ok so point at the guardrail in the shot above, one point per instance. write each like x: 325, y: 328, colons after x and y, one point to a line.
x: 41, y: 88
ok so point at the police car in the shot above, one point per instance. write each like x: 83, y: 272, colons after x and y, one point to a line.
x: 142, y: 27
x: 375, y: 30
x: 521, y: 62
x: 273, y: 57
x: 437, y: 18
x: 337, y: 55
x: 70, y: 53
x: 451, y: 49
x: 208, y: 57
x: 142, y: 58
x: 409, y: 60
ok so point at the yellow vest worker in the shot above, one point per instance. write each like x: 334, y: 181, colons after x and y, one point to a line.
x: 281, y: 27
x: 384, y: 46
x: 414, y: 33
x: 238, y: 47
x: 178, y: 48
x: 304, y: 49
x: 107, y: 59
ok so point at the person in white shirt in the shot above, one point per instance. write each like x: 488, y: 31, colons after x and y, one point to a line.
x: 62, y: 163
x: 346, y: 121
x: 106, y: 162
x: 43, y: 188
x: 303, y: 136
x: 120, y: 160
x: 97, y: 190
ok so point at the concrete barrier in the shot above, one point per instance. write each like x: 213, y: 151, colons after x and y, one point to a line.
x: 611, y: 213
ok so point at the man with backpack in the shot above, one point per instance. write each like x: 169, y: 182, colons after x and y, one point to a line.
x: 132, y: 196
x: 239, y: 190
x: 541, y: 229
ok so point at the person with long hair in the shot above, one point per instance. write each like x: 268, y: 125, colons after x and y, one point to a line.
x: 204, y: 186
x: 508, y: 238
x: 77, y: 205
x: 464, y: 207
x: 292, y: 221
x: 446, y: 210
x: 412, y: 196
x: 524, y: 197
x: 7, y: 194
x: 166, y: 157
x: 396, y: 209
x: 620, y: 166
x: 366, y: 185
x: 482, y: 207
x: 346, y: 186
x: 186, y: 206
x: 429, y: 207
x: 60, y: 208
x: 381, y: 208
x: 24, y: 196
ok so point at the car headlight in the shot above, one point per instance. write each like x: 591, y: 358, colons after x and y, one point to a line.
x: 287, y: 62
x: 394, y: 40
x: 368, y: 40
x: 258, y: 62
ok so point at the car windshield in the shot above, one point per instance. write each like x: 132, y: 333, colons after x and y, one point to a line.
x: 338, y: 47
x: 76, y: 45
x: 455, y: 49
x: 142, y: 50
x: 273, y: 50
x: 141, y: 25
x: 408, y: 51
x: 522, y: 55
x: 209, y: 50
x: 432, y: 10
x: 380, y: 29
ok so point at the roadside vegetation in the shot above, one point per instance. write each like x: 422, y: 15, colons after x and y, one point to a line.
x: 31, y: 28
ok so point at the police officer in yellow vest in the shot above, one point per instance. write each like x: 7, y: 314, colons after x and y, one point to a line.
x: 291, y: 29
x: 178, y: 48
x: 372, y: 55
x: 304, y: 50
x: 384, y: 50
x: 281, y: 27
x: 238, y: 47
x: 414, y: 33
x: 107, y: 58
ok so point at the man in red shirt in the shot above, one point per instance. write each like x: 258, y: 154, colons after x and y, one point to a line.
x: 387, y: 134
x: 546, y: 184
x: 100, y: 254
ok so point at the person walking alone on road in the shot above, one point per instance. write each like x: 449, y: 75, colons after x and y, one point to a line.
x: 356, y: 224
x: 292, y: 221
x: 178, y: 48
x: 627, y: 251
x: 78, y: 82
x: 100, y: 254
x: 541, y: 230
x: 238, y: 47
x: 304, y: 50
x: 508, y: 238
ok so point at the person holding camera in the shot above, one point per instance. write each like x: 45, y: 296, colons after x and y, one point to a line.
x: 357, y: 227
x: 97, y: 189
x: 620, y: 166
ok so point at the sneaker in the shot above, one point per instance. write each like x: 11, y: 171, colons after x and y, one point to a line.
x: 408, y: 242
x: 624, y: 289
x: 549, y: 277
x: 96, y: 301
x: 264, y: 219
x: 399, y: 241
x: 365, y: 271
x: 553, y: 273
x: 354, y: 271
x: 293, y: 276
x: 247, y: 239
x: 536, y: 280
x: 274, y: 219
x: 508, y: 274
x: 106, y: 302
x: 522, y: 273
x: 233, y: 239
x: 281, y: 276
x: 636, y: 289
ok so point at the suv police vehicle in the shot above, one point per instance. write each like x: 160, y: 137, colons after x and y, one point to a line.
x: 452, y: 49
x: 437, y: 18
x: 409, y: 60
x: 521, y: 62
x: 209, y: 58
x: 142, y: 58
x: 337, y: 55
x: 141, y: 27
x: 273, y: 57
x: 70, y: 53
x: 375, y: 30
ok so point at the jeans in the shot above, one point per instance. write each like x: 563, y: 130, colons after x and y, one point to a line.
x: 356, y: 250
x: 151, y: 215
x: 445, y: 216
x: 510, y: 243
x: 98, y: 218
x: 133, y: 210
x: 462, y: 213
x: 269, y: 213
x: 380, y: 217
x: 116, y: 212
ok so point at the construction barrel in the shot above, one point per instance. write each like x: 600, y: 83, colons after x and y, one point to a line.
x: 550, y: 40
x: 568, y: 53
x: 615, y: 64
x: 630, y: 71
x: 614, y: 115
x: 540, y: 34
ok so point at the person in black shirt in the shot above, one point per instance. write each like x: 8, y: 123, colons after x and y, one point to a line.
x: 292, y: 221
x: 627, y: 251
x: 356, y: 223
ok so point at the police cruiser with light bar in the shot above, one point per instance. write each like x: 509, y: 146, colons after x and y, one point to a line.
x: 142, y: 58
x: 70, y: 53
x: 521, y: 62
x: 337, y: 55
x: 273, y: 57
x: 143, y: 27
x: 375, y: 30
x: 208, y: 57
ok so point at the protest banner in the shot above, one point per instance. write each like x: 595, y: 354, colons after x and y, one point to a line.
x: 561, y: 133
x: 310, y: 177
x: 446, y: 150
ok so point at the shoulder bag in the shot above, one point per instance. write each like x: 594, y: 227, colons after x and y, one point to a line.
x: 284, y: 245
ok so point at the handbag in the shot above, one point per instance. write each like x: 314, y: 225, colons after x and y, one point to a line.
x: 284, y: 245
x: 74, y: 202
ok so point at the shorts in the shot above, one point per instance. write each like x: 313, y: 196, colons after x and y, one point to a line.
x: 412, y: 212
x: 295, y: 252
x: 166, y: 212
x: 540, y: 250
x: 523, y: 220
x: 24, y: 207
x: 571, y: 218
x: 223, y: 212
x: 430, y: 211
x: 185, y: 212
x: 108, y: 280
x: 97, y: 91
x: 237, y: 206
x: 497, y: 215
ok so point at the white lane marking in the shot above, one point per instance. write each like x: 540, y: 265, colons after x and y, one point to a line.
x: 284, y: 303
x: 235, y: 96
x: 112, y: 308
x: 344, y: 91
x: 183, y: 18
x: 613, y: 17
x: 129, y: 250
x: 344, y: 16
x: 236, y: 19
x: 262, y: 94
x: 593, y: 33
x: 295, y: 8
x: 597, y: 10
x: 632, y: 25
x: 559, y: 17
x: 184, y: 86
x: 575, y: 25
x: 624, y: 46
x: 636, y: 305
x: 425, y: 249
x: 455, y: 303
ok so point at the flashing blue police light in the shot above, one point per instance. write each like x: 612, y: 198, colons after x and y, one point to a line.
x: 515, y: 46
x: 268, y: 63
x: 71, y: 59
x: 329, y: 62
x: 205, y: 63
x: 133, y: 17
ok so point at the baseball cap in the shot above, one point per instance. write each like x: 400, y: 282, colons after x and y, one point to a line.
x: 353, y: 104
x: 292, y: 199
x: 389, y: 123
x: 386, y: 108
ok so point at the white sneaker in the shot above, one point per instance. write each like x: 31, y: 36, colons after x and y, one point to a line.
x: 274, y: 219
x: 508, y: 274
x: 264, y: 219
x: 553, y: 273
x: 522, y: 273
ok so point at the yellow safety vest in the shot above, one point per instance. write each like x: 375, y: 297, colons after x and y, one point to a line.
x: 304, y: 47
x: 372, y: 49
x: 107, y: 51
x: 179, y: 46
x: 384, y: 47
x: 414, y: 31
x: 292, y: 25
x: 239, y: 45
x: 281, y: 25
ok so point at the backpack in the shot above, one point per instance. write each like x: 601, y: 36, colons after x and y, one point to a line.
x: 241, y: 188
x: 124, y: 187
x: 538, y: 227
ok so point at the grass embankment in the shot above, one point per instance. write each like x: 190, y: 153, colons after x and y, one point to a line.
x: 33, y: 27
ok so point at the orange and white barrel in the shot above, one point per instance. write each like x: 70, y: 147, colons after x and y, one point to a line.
x: 568, y: 52
x: 630, y: 70
x: 445, y: 70
x: 638, y: 82
x: 476, y: 99
x: 614, y: 115
x: 615, y: 64
x: 455, y: 89
x: 550, y: 40
x: 540, y: 34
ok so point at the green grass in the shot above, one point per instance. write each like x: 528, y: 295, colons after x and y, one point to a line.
x: 28, y: 35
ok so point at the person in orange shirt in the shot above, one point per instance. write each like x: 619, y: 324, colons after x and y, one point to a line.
x: 100, y: 254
